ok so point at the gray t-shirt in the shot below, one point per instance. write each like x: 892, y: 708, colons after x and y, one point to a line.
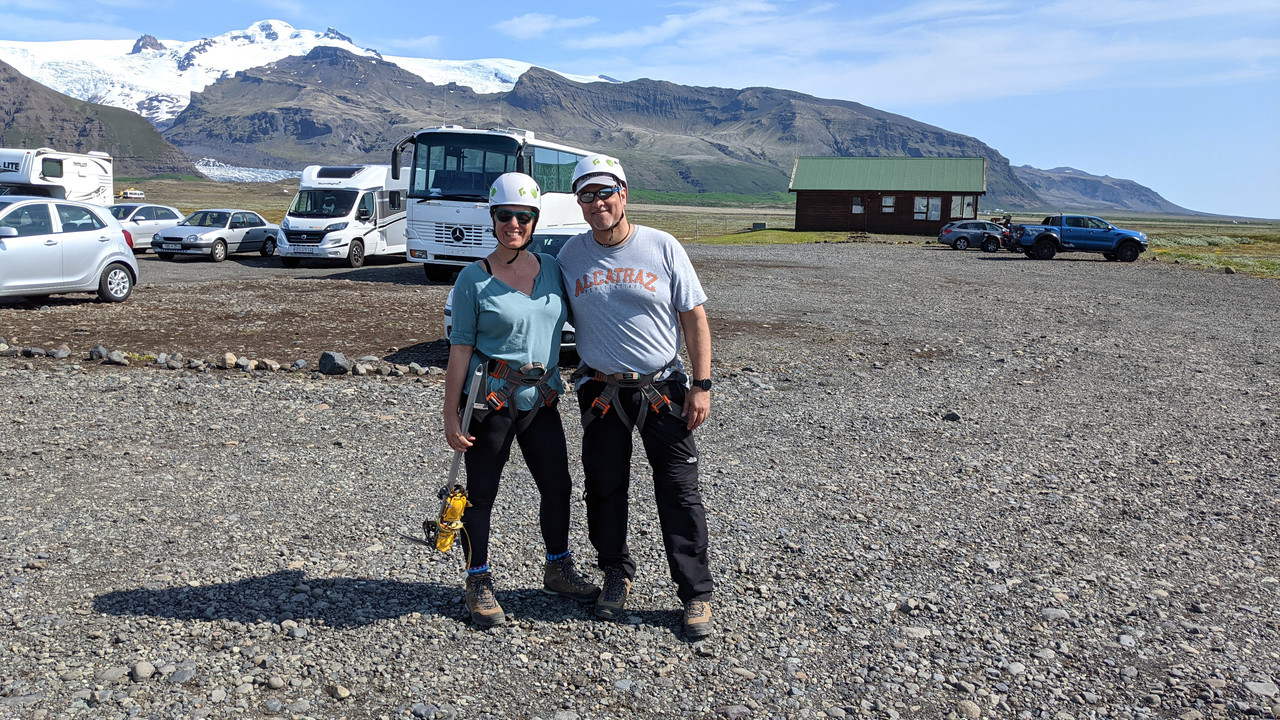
x: 626, y: 299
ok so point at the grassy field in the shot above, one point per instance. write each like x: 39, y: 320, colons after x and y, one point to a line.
x: 1250, y: 247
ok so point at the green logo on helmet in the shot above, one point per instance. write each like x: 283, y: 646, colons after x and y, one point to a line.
x: 493, y: 191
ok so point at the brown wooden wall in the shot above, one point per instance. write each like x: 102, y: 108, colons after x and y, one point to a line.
x: 832, y: 210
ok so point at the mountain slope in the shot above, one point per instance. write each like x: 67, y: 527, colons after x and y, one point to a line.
x: 155, y: 78
x: 1069, y: 189
x: 332, y: 106
x: 32, y: 115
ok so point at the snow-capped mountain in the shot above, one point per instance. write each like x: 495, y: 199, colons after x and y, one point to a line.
x: 155, y: 78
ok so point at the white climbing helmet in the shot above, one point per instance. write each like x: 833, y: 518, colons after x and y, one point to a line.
x: 598, y: 170
x: 515, y: 189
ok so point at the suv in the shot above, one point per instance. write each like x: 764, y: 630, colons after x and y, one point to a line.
x: 964, y: 234
x: 50, y: 246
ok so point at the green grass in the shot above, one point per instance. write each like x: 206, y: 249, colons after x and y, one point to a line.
x: 718, y: 200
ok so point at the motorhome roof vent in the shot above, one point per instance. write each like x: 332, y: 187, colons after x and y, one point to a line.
x: 339, y: 172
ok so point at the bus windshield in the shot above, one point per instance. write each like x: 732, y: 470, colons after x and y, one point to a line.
x: 323, y: 203
x: 460, y: 166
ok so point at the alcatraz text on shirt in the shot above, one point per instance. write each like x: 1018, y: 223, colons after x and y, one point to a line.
x: 616, y: 276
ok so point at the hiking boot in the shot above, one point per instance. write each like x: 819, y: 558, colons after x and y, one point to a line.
x: 484, y: 607
x: 562, y: 578
x: 614, y: 595
x: 697, y: 619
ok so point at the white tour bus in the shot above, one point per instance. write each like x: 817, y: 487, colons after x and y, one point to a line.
x: 451, y: 169
x: 345, y: 212
x: 45, y: 172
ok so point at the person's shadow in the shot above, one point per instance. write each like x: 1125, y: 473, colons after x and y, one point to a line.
x: 336, y: 602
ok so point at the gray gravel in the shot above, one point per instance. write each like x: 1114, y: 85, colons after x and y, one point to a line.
x: 939, y: 484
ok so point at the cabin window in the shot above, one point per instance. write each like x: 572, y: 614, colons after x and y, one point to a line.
x: 51, y: 168
x: 395, y: 201
x: 928, y: 207
x: 964, y: 207
x: 887, y: 202
x: 857, y: 206
x: 553, y: 169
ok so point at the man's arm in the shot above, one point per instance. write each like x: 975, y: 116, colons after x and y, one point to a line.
x: 697, y: 338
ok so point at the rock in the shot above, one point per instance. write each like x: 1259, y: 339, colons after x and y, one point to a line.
x: 1016, y: 668
x: 245, y: 364
x: 1229, y: 270
x: 417, y: 369
x: 369, y: 360
x: 181, y: 675
x: 298, y: 364
x: 226, y: 361
x: 143, y: 670
x: 1262, y: 688
x: 112, y: 674
x: 62, y: 352
x: 360, y: 369
x: 969, y: 709
x: 115, y: 357
x: 734, y: 712
x: 424, y: 711
x: 218, y: 695
x: 1053, y: 614
x: 916, y: 633
x: 273, y: 705
x: 334, y: 363
x: 269, y: 365
x: 276, y: 682
x: 952, y: 417
x: 98, y: 353
x: 338, y: 692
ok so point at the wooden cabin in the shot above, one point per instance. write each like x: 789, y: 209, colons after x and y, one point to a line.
x: 896, y: 195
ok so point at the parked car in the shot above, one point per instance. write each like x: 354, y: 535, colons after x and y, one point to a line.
x: 548, y: 243
x: 217, y: 233
x: 964, y: 234
x: 144, y: 221
x: 50, y: 246
x: 1080, y: 233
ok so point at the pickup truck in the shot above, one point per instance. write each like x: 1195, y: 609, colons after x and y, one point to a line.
x: 1079, y: 233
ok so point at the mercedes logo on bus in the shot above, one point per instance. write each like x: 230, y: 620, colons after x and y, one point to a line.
x: 458, y: 233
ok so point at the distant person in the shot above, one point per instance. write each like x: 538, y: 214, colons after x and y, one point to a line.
x: 508, y: 312
x: 329, y: 205
x: 634, y: 295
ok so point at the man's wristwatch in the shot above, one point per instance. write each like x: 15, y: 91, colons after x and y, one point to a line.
x: 704, y: 384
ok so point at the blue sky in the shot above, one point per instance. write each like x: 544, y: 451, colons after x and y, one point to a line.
x: 1182, y: 96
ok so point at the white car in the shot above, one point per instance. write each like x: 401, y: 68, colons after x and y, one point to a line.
x: 143, y: 221
x: 547, y: 243
x: 50, y: 246
x: 216, y: 234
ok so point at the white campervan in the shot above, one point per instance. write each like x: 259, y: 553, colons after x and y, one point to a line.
x: 344, y: 212
x: 45, y: 172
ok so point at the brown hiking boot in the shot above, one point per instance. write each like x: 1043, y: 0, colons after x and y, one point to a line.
x: 614, y: 595
x: 484, y: 607
x: 697, y: 619
x: 562, y: 578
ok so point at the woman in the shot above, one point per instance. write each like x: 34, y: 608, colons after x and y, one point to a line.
x: 508, y: 310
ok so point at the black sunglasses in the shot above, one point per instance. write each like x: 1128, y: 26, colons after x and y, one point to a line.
x: 587, y: 197
x: 524, y: 217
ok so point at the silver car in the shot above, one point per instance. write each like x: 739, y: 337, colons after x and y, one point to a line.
x: 143, y: 221
x: 217, y: 233
x: 50, y: 246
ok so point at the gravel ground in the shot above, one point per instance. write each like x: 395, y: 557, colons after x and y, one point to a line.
x: 939, y: 485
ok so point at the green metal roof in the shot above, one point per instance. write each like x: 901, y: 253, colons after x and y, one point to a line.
x: 890, y: 173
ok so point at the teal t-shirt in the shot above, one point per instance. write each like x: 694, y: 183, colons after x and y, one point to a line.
x: 506, y: 324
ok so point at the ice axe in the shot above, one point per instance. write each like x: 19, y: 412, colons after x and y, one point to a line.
x: 453, y: 496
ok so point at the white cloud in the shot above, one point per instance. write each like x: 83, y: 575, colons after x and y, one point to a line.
x: 940, y: 51
x: 534, y: 25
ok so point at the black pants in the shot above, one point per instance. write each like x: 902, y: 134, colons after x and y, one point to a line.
x: 606, y: 462
x: 543, y: 447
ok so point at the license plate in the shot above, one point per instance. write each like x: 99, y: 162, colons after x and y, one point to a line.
x: 170, y: 246
x: 303, y: 251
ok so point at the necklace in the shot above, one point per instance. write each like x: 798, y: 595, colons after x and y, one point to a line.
x: 630, y: 229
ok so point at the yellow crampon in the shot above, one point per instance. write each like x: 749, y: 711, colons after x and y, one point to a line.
x: 449, y: 524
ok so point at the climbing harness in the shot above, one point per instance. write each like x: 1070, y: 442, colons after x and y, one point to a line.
x: 654, y: 399
x: 453, y: 496
x: 532, y: 375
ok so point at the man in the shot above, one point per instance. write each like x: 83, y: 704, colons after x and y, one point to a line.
x: 634, y: 294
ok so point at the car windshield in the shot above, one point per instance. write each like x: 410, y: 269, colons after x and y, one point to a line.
x: 323, y: 203
x: 548, y: 244
x: 207, y: 218
x: 120, y: 212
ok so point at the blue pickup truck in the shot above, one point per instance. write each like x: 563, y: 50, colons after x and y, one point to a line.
x: 1079, y: 233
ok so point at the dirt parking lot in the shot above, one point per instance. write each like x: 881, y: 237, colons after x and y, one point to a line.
x: 938, y: 484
